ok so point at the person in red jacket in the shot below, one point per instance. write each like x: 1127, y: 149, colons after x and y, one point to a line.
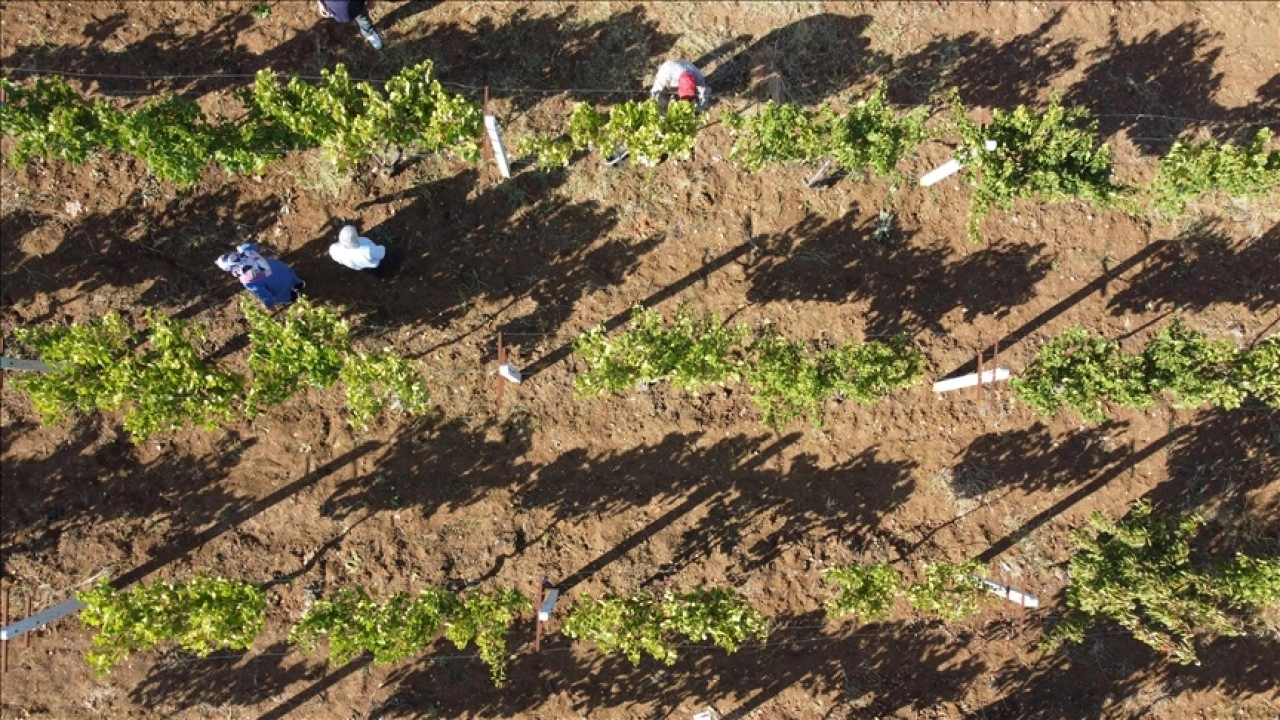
x: 344, y: 11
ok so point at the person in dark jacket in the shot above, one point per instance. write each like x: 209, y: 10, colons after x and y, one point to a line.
x: 270, y: 280
x: 344, y: 11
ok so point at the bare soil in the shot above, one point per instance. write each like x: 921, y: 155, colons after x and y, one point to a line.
x: 657, y: 487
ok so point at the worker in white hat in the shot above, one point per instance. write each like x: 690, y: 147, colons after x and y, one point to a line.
x: 356, y: 252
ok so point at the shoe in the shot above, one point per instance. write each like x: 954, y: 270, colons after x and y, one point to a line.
x: 374, y: 38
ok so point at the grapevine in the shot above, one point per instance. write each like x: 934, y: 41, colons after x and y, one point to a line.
x: 1193, y: 369
x: 1192, y: 170
x: 375, y: 381
x: 1049, y: 153
x: 871, y: 134
x: 199, y: 616
x: 96, y: 367
x: 85, y: 362
x: 640, y: 128
x: 49, y: 119
x: 720, y: 615
x: 789, y: 381
x: 484, y: 617
x: 1257, y: 371
x: 1138, y: 574
x: 171, y: 385
x: 866, y: 592
x: 630, y: 624
x: 404, y: 626
x: 644, y: 623
x: 1082, y: 371
x: 781, y: 134
x: 307, y: 347
x: 694, y: 351
x: 355, y: 623
x: 169, y: 133
x: 948, y: 591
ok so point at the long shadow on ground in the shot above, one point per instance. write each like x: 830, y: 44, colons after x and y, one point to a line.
x: 909, y: 287
x: 171, y: 248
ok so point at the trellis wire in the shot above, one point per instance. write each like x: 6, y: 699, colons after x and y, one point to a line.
x: 534, y: 91
x: 679, y: 646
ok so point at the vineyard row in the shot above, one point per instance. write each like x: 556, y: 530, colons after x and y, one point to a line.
x: 1050, y: 153
x: 165, y: 383
x: 1120, y: 573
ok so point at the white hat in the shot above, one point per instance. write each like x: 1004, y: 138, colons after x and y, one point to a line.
x: 348, y: 235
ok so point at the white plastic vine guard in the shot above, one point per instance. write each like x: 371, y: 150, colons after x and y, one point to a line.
x: 618, y: 157
x: 509, y: 372
x: 965, y: 381
x: 544, y: 612
x: 499, y: 149
x: 950, y: 167
x: 27, y: 365
x: 945, y: 170
x: 1026, y: 600
x: 40, y: 619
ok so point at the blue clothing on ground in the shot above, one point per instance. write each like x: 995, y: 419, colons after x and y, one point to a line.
x: 344, y: 10
x: 276, y: 288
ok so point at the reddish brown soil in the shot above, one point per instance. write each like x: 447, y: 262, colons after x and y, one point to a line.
x: 656, y: 487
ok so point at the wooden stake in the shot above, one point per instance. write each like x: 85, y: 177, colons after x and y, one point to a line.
x: 979, y: 386
x: 26, y: 639
x: 485, y: 135
x: 995, y: 363
x: 502, y: 359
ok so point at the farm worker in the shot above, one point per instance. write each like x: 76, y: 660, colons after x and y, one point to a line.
x: 273, y: 282
x: 682, y: 79
x: 344, y: 11
x: 356, y: 252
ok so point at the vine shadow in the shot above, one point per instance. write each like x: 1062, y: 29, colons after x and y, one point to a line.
x: 983, y: 71
x: 184, y: 55
x: 171, y: 248
x: 434, y: 466
x: 806, y: 62
x: 1204, y: 267
x: 1224, y: 467
x: 1110, y: 464
x: 1164, y: 76
x: 238, y: 680
x: 909, y: 287
x: 84, y: 482
x: 883, y: 668
x: 462, y: 246
x: 525, y: 51
x: 1111, y: 674
x: 1034, y: 459
x: 698, y: 497
x: 557, y: 51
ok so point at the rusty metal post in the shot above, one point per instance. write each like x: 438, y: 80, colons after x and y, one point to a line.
x: 979, y: 375
x: 4, y: 644
x: 26, y: 639
x: 537, y: 617
x: 502, y: 359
